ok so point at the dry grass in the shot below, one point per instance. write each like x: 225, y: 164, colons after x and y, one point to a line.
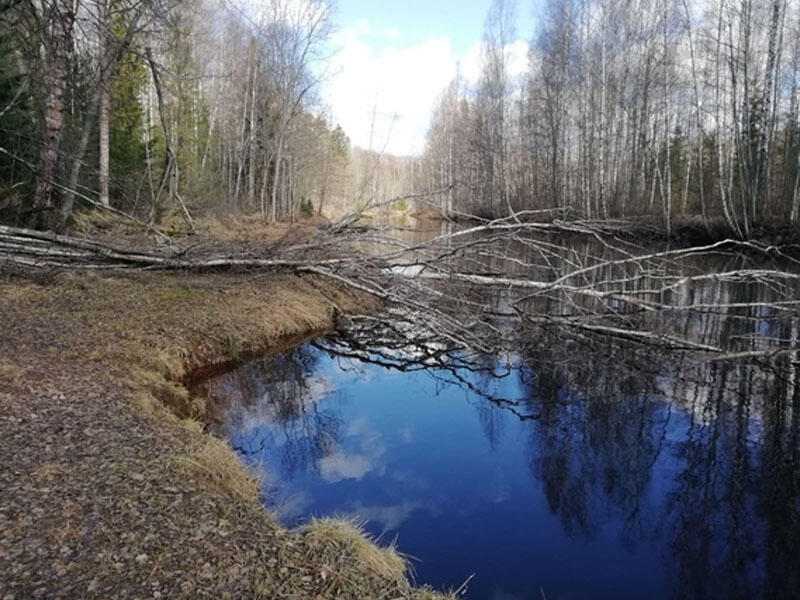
x: 252, y: 227
x: 92, y: 222
x: 155, y: 329
x: 147, y: 404
x: 431, y: 595
x: 230, y: 227
x: 340, y: 545
x: 217, y: 466
x: 343, y: 541
x: 170, y: 393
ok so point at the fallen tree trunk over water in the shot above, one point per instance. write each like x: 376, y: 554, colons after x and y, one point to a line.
x: 476, y: 289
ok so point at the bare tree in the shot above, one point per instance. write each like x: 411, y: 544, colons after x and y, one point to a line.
x: 663, y: 110
x: 57, y: 19
x: 493, y: 92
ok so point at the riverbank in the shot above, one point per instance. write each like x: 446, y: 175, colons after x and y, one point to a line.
x: 684, y: 231
x: 108, y: 486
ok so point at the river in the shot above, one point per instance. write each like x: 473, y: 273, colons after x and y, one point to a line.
x: 564, y: 468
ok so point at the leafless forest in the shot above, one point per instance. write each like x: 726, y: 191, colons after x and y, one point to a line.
x: 669, y: 109
x: 634, y: 120
x: 152, y: 106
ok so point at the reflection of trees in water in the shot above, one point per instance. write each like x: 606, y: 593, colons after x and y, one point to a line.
x: 736, y: 504
x: 274, y: 404
x: 484, y: 380
x: 594, y: 444
x: 587, y: 286
x: 714, y: 537
x: 729, y: 430
x: 780, y: 483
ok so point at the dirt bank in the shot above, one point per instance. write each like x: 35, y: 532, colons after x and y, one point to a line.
x: 109, y: 488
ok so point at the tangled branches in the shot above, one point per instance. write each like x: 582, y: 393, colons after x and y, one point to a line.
x: 490, y: 288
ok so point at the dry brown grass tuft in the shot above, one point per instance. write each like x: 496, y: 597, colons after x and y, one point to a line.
x: 252, y: 227
x: 146, y: 404
x: 172, y: 394
x: 343, y: 550
x: 340, y: 542
x: 169, y: 364
x: 218, y: 468
x: 431, y: 595
x: 88, y: 222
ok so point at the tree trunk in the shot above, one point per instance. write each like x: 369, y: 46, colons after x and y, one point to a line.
x: 104, y: 108
x: 68, y: 201
x: 667, y: 128
x: 276, y: 182
x: 59, y: 19
x: 251, y: 171
x: 169, y: 177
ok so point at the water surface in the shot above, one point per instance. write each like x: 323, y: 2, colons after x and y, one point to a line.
x: 582, y: 474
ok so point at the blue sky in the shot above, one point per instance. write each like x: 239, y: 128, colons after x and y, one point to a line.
x: 417, y: 20
x: 394, y: 58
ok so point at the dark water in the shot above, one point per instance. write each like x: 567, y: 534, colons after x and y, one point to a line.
x: 585, y: 473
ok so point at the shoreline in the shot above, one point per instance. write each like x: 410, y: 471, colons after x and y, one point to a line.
x: 110, y: 488
x: 685, y: 231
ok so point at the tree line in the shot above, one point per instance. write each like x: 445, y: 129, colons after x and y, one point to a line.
x: 664, y: 108
x: 155, y: 106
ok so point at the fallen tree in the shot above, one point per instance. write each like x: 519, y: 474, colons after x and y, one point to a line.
x: 477, y: 289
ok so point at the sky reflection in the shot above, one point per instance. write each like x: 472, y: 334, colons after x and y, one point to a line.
x: 626, y: 483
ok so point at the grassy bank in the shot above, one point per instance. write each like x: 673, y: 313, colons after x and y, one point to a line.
x: 108, y: 486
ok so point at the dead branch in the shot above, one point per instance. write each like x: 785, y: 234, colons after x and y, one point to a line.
x: 483, y: 289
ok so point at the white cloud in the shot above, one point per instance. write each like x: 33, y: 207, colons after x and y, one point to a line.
x: 340, y: 466
x: 291, y: 506
x: 383, y: 97
x: 471, y: 63
x: 407, y: 435
x: 383, y: 92
x: 388, y: 517
x: 517, y: 53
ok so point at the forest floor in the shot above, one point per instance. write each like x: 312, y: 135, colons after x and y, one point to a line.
x: 109, y: 488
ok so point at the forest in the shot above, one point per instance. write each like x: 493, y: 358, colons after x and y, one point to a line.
x: 669, y: 108
x: 154, y: 106
x: 670, y: 111
x: 551, y: 352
